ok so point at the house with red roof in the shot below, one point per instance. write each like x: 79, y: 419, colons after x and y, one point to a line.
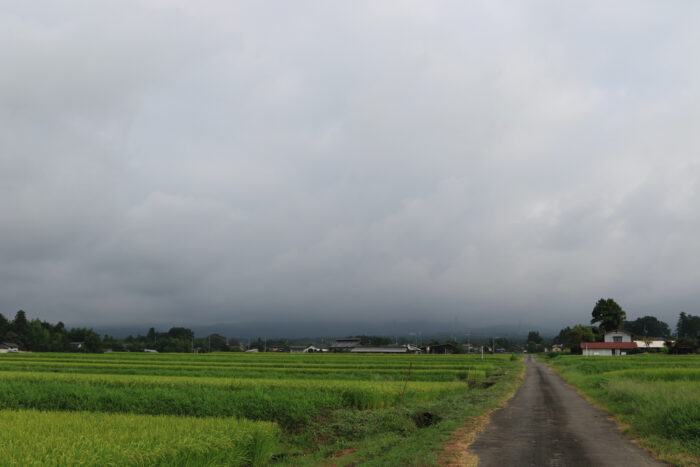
x: 615, y: 343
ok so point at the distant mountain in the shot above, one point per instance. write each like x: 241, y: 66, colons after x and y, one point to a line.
x: 298, y: 329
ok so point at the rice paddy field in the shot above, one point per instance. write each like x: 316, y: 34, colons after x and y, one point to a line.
x: 241, y: 409
x: 655, y: 397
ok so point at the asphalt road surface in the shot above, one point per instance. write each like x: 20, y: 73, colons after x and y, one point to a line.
x: 547, y: 423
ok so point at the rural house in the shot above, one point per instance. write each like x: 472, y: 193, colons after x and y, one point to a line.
x: 615, y: 343
x: 7, y: 347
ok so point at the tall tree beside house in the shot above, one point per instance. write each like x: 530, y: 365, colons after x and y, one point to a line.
x: 572, y: 337
x: 609, y: 314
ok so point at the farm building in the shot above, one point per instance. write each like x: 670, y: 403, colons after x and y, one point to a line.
x: 345, y: 345
x: 7, y: 347
x: 408, y: 348
x: 604, y: 349
x: 652, y: 344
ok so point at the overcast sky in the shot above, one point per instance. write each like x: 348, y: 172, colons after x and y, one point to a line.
x: 210, y: 162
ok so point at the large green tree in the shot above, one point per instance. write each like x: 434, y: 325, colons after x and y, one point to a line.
x: 688, y: 326
x: 609, y: 314
x: 20, y: 323
x: 578, y: 334
x: 648, y: 326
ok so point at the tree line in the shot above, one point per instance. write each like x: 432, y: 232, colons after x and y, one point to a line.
x: 42, y: 336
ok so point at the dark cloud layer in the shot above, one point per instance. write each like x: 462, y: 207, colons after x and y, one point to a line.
x: 224, y: 162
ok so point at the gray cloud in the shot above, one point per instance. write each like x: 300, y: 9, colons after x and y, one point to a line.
x: 310, y: 160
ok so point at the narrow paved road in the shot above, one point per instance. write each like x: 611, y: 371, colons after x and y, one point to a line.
x: 547, y: 423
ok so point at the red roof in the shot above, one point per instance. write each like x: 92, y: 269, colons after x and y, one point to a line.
x: 609, y: 345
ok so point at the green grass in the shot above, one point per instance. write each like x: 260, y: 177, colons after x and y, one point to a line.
x: 289, y: 402
x: 65, y: 439
x: 657, y: 396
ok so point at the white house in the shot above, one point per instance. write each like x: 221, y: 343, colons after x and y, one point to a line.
x: 7, y: 347
x: 615, y: 343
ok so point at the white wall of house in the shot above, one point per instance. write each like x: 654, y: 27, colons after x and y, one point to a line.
x: 603, y: 352
x: 651, y: 344
x: 618, y: 336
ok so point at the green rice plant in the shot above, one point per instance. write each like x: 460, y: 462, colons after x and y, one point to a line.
x: 671, y: 408
x: 289, y: 402
x: 397, y: 362
x: 64, y: 439
x: 657, y: 374
x: 281, y: 372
